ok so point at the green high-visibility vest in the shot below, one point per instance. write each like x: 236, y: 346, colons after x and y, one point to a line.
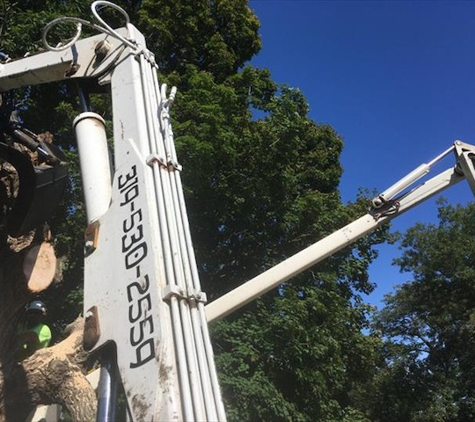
x: 44, y: 334
x: 42, y: 331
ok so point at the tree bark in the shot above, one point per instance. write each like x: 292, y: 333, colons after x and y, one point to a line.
x: 51, y: 375
x: 54, y: 375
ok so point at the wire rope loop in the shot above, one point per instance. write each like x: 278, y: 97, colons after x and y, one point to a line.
x: 54, y: 22
x: 102, y: 27
x: 95, y: 6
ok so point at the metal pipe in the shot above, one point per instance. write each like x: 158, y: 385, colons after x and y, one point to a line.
x: 174, y: 308
x: 170, y: 278
x: 408, y: 180
x: 199, y: 355
x: 82, y: 99
x: 204, y: 371
x: 212, y: 365
x: 187, y: 402
x: 107, y: 390
x: 154, y: 146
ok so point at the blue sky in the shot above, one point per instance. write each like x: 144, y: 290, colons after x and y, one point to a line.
x: 396, y: 79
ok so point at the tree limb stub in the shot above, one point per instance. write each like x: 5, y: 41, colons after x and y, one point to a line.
x: 39, y: 266
x: 51, y: 375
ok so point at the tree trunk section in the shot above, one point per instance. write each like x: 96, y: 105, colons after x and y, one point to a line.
x: 54, y: 375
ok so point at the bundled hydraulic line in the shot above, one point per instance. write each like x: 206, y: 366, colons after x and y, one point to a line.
x: 199, y: 387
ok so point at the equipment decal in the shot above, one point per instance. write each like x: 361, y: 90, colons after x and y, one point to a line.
x: 134, y: 250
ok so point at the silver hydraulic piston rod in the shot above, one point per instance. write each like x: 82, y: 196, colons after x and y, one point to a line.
x: 408, y: 180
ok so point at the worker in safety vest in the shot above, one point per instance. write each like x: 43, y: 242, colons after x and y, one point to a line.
x: 33, y: 333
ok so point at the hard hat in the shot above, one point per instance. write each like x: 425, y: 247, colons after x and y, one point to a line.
x: 36, y: 306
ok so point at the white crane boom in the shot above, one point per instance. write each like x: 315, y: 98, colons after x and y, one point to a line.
x: 386, y: 206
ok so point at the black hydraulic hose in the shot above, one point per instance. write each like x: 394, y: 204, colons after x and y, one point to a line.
x: 108, y: 384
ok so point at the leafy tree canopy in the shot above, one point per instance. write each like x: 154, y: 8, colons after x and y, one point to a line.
x: 217, y: 36
x: 429, y: 324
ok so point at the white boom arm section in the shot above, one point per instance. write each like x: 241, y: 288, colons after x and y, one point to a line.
x: 141, y: 286
x: 385, y: 207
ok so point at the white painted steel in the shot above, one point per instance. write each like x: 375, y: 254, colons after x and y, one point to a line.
x: 94, y: 161
x: 125, y: 286
x: 322, y: 249
x: 428, y: 189
x: 467, y: 164
x: 409, y: 179
x: 292, y: 266
x: 406, y: 181
x: 141, y: 118
x: 79, y: 61
x: 470, y: 170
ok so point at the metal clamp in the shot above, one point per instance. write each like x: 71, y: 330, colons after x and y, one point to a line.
x: 189, y: 294
x: 155, y: 158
